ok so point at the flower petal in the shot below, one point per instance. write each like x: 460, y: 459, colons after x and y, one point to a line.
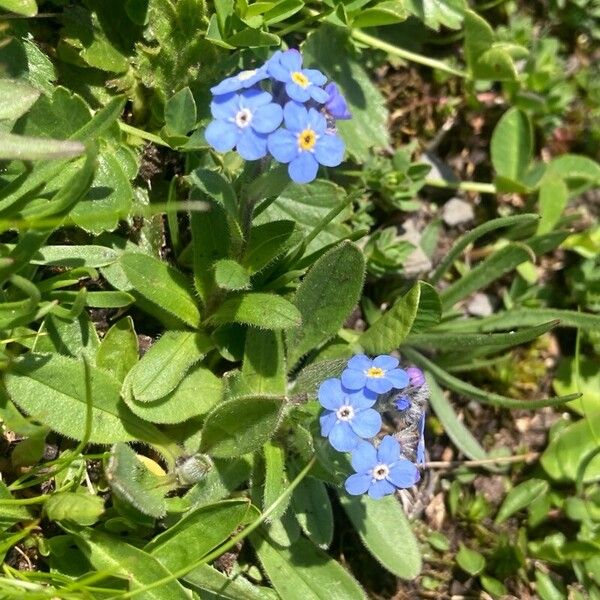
x: 296, y: 92
x: 366, y: 423
x: 317, y: 122
x: 364, y: 457
x: 416, y: 376
x: 283, y: 145
x: 385, y: 362
x: 225, y: 106
x: 328, y: 419
x: 253, y: 98
x: 353, y: 379
x: 342, y: 438
x: 361, y: 399
x: 388, y: 451
x: 252, y: 145
x: 230, y: 84
x: 318, y: 94
x: 398, y: 378
x: 315, y: 77
x: 421, y: 444
x: 291, y: 60
x: 379, y: 385
x: 222, y: 135
x: 295, y: 116
x: 360, y: 362
x: 404, y: 474
x: 357, y: 484
x: 267, y: 118
x: 303, y: 169
x: 329, y: 150
x: 278, y: 71
x: 381, y: 488
x: 331, y: 395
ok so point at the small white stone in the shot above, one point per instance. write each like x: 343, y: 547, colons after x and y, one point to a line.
x: 457, y: 211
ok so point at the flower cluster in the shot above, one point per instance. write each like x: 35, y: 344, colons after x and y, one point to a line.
x: 354, y: 405
x: 294, y: 121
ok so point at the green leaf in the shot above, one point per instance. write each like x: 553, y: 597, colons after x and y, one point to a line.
x: 429, y: 311
x: 325, y: 298
x: 112, y: 555
x: 579, y: 172
x: 282, y: 10
x: 267, y: 242
x: 75, y: 256
x: 71, y: 337
x: 276, y: 480
x: 263, y: 369
x: 11, y: 513
x: 303, y: 572
x: 236, y: 587
x: 16, y: 98
x: 131, y: 480
x: 50, y: 388
x: 462, y: 438
x: 502, y: 261
x: 307, y: 206
x: 512, y: 145
x: 384, y: 13
x: 326, y: 49
x: 582, y: 377
x: 485, y: 61
x: 162, y: 285
x: 571, y: 447
x: 553, y: 199
x: 546, y: 588
x: 81, y: 508
x: 180, y: 113
x: 165, y: 364
x: 312, y: 508
x: 462, y: 387
x: 470, y: 561
x: 449, y: 341
x: 27, y: 8
x: 118, y: 351
x: 253, y: 38
x: 520, y: 497
x: 199, y: 532
x: 109, y: 198
x: 385, y: 532
x: 390, y: 330
x: 435, y: 13
x: 194, y: 396
x: 230, y: 275
x: 19, y: 147
x: 239, y: 426
x: 267, y: 311
x: 492, y: 585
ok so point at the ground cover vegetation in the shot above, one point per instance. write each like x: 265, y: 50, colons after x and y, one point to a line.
x: 299, y: 299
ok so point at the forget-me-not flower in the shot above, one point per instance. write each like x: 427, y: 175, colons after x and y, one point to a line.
x: 300, y: 84
x: 402, y: 402
x: 336, y: 105
x: 415, y: 376
x: 243, y: 80
x: 305, y: 143
x: 243, y: 121
x: 379, y: 375
x: 348, y: 416
x: 380, y: 471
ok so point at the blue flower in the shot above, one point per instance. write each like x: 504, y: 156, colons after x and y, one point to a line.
x: 336, y: 105
x: 243, y: 121
x: 380, y: 471
x: 300, y: 84
x: 348, y: 416
x: 402, y: 402
x: 421, y: 443
x: 305, y: 143
x: 243, y: 80
x: 379, y: 375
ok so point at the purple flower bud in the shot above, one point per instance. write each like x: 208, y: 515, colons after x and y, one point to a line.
x: 336, y: 106
x: 416, y: 377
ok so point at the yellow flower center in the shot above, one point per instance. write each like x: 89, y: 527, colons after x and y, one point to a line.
x: 307, y: 139
x: 301, y: 79
x: 375, y: 372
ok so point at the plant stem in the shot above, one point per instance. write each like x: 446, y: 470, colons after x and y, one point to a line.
x: 361, y: 36
x: 144, y: 135
x: 466, y: 186
x: 452, y: 464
